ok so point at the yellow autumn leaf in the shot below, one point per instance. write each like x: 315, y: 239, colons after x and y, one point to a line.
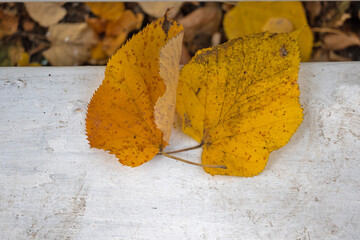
x: 131, y: 113
x: 277, y: 17
x: 97, y: 52
x: 24, y: 61
x: 107, y: 10
x: 240, y: 100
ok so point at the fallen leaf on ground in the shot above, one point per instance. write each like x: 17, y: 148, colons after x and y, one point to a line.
x: 251, y: 17
x: 97, y: 52
x: 342, y: 19
x: 45, y: 13
x: 8, y: 24
x: 131, y: 113
x: 241, y: 101
x: 107, y: 10
x: 204, y: 20
x: 117, y: 32
x: 338, y: 18
x: 28, y: 25
x: 216, y: 39
x: 185, y: 55
x: 320, y: 55
x: 278, y: 25
x: 70, y: 44
x: 24, y: 61
x: 112, y: 34
x: 97, y: 24
x: 10, y: 54
x: 341, y: 40
x: 157, y: 9
x: 335, y: 57
x: 313, y: 9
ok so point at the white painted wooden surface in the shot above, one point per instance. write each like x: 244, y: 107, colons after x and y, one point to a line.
x: 54, y: 187
x: 142, y: 0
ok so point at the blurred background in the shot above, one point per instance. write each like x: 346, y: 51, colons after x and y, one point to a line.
x: 73, y: 34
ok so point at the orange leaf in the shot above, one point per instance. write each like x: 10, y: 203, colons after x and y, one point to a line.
x: 97, y: 52
x: 107, y: 10
x: 131, y: 112
x: 117, y: 31
x: 97, y: 24
x: 8, y: 24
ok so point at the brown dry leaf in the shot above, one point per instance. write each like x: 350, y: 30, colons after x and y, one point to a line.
x: 46, y: 14
x: 320, y: 55
x: 70, y: 44
x: 339, y: 22
x: 157, y: 9
x: 117, y: 32
x: 227, y: 6
x: 215, y: 39
x: 339, y: 12
x: 107, y: 10
x: 185, y: 55
x: 28, y: 25
x: 313, y: 10
x: 15, y: 52
x: 97, y: 24
x: 341, y: 40
x: 8, y: 24
x: 204, y: 20
x: 335, y: 57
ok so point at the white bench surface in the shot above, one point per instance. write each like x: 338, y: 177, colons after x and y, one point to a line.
x: 53, y: 186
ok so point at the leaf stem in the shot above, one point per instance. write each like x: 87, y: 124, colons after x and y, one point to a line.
x: 192, y: 163
x: 326, y: 30
x: 186, y: 149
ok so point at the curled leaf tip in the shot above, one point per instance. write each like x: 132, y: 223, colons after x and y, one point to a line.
x: 167, y: 22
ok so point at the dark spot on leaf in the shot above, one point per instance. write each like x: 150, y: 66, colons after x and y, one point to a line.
x: 283, y: 51
x: 197, y: 92
x: 187, y: 121
x: 272, y: 35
